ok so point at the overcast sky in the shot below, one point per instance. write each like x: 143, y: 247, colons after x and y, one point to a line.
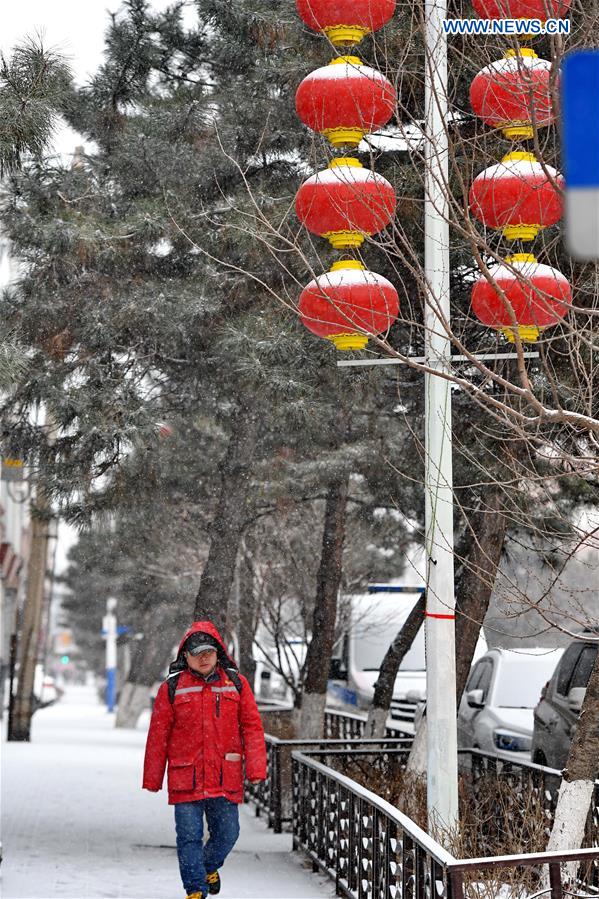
x: 74, y: 27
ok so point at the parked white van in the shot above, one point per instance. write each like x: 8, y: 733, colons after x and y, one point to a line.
x: 373, y: 621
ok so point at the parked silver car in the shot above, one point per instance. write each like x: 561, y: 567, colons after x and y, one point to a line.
x: 556, y: 715
x: 496, y: 711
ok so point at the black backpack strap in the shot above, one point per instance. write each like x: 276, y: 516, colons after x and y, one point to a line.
x: 233, y: 674
x: 171, y: 683
x: 174, y: 673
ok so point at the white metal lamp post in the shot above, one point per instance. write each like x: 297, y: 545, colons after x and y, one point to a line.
x: 442, y: 759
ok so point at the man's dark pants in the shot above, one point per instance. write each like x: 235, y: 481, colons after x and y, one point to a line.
x: 195, y: 859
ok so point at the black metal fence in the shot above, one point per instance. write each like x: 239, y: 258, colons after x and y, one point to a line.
x: 372, y: 851
x: 366, y: 845
x: 348, y: 725
x: 522, y: 776
x: 273, y: 797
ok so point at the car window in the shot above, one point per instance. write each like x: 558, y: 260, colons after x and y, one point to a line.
x: 584, y: 666
x: 522, y: 676
x: 566, y: 667
x: 475, y: 676
x: 485, y: 679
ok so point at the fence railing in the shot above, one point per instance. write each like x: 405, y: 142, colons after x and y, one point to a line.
x: 373, y: 851
x: 337, y: 723
x: 350, y: 725
x: 273, y: 796
x: 363, y: 842
x: 522, y: 776
x: 554, y: 881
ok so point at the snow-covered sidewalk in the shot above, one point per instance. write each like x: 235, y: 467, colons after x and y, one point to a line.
x: 76, y: 823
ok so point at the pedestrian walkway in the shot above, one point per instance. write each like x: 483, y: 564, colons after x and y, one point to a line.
x: 77, y: 824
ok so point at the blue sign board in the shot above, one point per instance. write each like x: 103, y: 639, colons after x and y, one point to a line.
x: 580, y: 137
x: 394, y: 588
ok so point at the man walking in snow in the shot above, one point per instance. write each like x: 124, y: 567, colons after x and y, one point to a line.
x: 206, y: 725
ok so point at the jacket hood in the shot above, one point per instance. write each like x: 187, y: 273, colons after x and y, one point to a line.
x: 206, y: 627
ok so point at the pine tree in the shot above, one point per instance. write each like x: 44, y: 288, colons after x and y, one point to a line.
x: 33, y: 84
x: 128, y: 317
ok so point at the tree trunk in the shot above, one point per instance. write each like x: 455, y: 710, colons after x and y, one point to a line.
x: 149, y: 658
x: 247, y: 621
x: 418, y: 752
x: 485, y: 535
x: 318, y: 657
x: 480, y: 548
x: 229, y: 520
x: 22, y: 710
x: 582, y: 768
x: 383, y: 689
x: 133, y: 700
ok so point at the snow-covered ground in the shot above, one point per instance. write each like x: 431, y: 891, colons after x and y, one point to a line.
x: 77, y: 824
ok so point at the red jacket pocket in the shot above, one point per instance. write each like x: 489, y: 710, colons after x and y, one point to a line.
x: 232, y: 775
x: 181, y: 778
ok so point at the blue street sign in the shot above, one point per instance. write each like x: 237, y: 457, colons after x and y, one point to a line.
x: 393, y: 588
x: 580, y: 136
x: 120, y: 629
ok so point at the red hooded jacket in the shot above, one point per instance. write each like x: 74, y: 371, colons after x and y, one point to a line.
x: 207, y: 735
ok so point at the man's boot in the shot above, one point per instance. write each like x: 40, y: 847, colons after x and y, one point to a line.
x: 213, y: 881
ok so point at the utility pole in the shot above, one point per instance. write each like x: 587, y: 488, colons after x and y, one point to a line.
x: 441, y: 717
x: 442, y: 758
x: 109, y: 632
x: 22, y: 708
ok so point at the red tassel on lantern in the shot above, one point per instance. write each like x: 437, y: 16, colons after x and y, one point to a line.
x: 518, y: 196
x: 514, y: 94
x: 345, y: 21
x: 539, y: 296
x: 346, y: 301
x: 345, y: 202
x: 345, y: 100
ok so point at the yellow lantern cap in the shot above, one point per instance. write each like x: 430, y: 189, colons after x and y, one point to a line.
x: 341, y: 264
x: 519, y: 156
x: 521, y: 51
x: 520, y: 257
x: 353, y: 341
x: 341, y: 35
x: 350, y: 60
x: 345, y: 160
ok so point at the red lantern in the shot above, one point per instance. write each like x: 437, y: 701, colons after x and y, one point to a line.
x: 163, y: 429
x: 345, y: 21
x: 539, y: 296
x: 518, y: 196
x: 521, y: 9
x: 345, y: 202
x: 345, y: 100
x: 346, y: 301
x: 514, y: 94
